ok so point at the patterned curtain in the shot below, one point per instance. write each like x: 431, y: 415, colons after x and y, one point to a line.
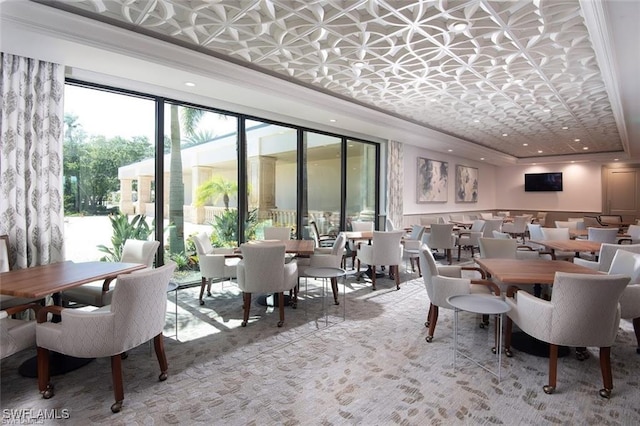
x: 31, y: 135
x: 395, y: 184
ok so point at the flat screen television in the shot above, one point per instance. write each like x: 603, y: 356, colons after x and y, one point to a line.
x: 543, y: 182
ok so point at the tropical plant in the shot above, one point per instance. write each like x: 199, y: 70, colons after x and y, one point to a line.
x: 137, y: 229
x: 216, y: 187
x: 225, y: 228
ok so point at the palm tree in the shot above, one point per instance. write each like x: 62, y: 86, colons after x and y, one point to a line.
x: 215, y: 187
x: 190, y: 118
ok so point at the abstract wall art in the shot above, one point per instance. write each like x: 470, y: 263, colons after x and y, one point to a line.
x: 432, y: 181
x: 466, y: 184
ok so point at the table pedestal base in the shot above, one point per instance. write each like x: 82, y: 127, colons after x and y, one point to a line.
x: 58, y: 364
x: 263, y: 300
x: 532, y: 346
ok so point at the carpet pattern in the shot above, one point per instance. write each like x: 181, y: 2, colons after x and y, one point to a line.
x: 372, y: 368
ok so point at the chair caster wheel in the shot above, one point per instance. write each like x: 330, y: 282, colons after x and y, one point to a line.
x: 48, y: 392
x: 508, y: 353
x: 244, y: 323
x: 605, y: 393
x: 209, y: 293
x: 201, y: 302
x: 582, y: 355
x: 397, y: 287
x: 280, y: 323
x: 116, y: 407
x: 124, y: 355
x: 429, y: 339
x: 494, y: 350
x: 163, y: 376
x: 336, y: 303
x: 481, y: 325
x: 426, y: 324
x: 548, y: 389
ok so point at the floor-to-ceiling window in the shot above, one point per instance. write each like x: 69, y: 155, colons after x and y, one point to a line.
x: 271, y: 164
x: 180, y: 169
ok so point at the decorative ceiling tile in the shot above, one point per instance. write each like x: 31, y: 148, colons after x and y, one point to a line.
x: 521, y: 68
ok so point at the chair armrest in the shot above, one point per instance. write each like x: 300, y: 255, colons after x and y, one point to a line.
x: 42, y: 312
x: 19, y: 308
x: 588, y: 263
x: 625, y: 240
x: 106, y: 284
x: 492, y: 286
x: 483, y: 274
x: 451, y: 271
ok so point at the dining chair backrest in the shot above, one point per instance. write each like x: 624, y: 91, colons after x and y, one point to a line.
x: 626, y: 263
x: 608, y: 251
x: 139, y: 251
x: 362, y: 226
x: 610, y: 218
x: 555, y: 234
x: 535, y: 231
x: 416, y: 232
x: 498, y: 248
x: 502, y: 235
x: 202, y: 243
x: 456, y: 218
x: 426, y: 221
x: 280, y: 233
x: 634, y: 232
x: 591, y: 222
x: 387, y: 247
x: 491, y: 225
x: 338, y: 246
x: 503, y: 214
x: 262, y: 267
x: 486, y: 216
x: 541, y: 218
x: 477, y: 225
x: 441, y: 236
x: 566, y: 224
x: 603, y: 235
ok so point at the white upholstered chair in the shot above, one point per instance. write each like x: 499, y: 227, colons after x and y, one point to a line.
x: 607, y: 252
x: 561, y: 234
x: 583, y: 312
x: 263, y: 270
x: 491, y: 225
x: 628, y: 263
x: 385, y: 249
x: 505, y: 248
x: 215, y: 263
x: 603, y: 235
x: 136, y: 315
x: 441, y: 237
x: 412, y: 243
x: 100, y: 293
x: 469, y: 238
x: 517, y: 228
x: 332, y: 259
x: 353, y: 244
x: 634, y: 235
x: 444, y: 281
x: 486, y: 215
x: 280, y: 233
x: 16, y: 334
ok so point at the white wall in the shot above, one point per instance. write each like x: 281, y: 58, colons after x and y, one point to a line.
x: 486, y: 183
x: 582, y: 188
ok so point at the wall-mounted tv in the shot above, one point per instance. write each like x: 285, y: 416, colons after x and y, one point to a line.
x: 543, y: 182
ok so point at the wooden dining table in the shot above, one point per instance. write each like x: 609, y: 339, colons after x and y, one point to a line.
x: 44, y: 280
x: 297, y: 247
x: 575, y: 245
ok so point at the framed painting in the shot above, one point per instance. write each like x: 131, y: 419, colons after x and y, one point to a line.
x: 466, y: 184
x: 432, y: 181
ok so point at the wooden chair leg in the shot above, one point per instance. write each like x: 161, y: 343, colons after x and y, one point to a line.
x: 44, y: 377
x: 247, y: 306
x: 202, y: 286
x: 209, y: 287
x: 158, y: 344
x: 459, y: 249
x: 281, y: 308
x: 448, y: 255
x: 432, y: 322
x: 507, y: 337
x: 397, y: 275
x: 116, y: 377
x: 334, y: 289
x: 553, y: 369
x: 373, y: 274
x: 605, y: 367
x: 636, y: 329
x: 426, y: 324
x: 418, y: 263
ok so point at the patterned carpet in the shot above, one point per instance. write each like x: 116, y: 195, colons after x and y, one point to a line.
x: 372, y: 368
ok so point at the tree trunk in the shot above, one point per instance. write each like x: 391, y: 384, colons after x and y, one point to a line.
x: 176, y: 188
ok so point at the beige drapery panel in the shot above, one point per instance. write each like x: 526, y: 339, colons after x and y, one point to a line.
x: 31, y: 136
x: 395, y: 183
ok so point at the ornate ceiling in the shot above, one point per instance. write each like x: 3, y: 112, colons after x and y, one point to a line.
x: 520, y: 77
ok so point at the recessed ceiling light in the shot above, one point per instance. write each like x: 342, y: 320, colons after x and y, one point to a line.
x: 546, y: 110
x: 572, y: 162
x: 615, y: 159
x: 459, y: 26
x: 450, y: 150
x: 476, y: 121
x: 358, y: 64
x: 586, y: 148
x: 189, y: 83
x: 434, y: 100
x: 539, y: 151
x: 565, y: 128
x: 576, y: 140
x: 505, y: 134
x: 525, y: 144
x: 333, y: 120
x: 482, y: 158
